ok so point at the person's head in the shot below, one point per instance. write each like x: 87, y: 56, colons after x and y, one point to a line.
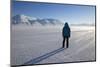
x: 66, y: 23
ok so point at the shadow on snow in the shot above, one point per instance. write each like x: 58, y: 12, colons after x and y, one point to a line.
x: 40, y: 58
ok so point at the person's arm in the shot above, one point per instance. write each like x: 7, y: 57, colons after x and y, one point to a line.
x: 69, y: 32
x: 62, y: 31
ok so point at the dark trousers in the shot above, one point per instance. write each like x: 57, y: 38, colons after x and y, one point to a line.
x: 67, y: 42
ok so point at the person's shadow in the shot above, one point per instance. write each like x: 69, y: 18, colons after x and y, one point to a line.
x: 40, y: 58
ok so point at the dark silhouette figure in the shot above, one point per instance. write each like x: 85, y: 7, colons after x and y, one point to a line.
x: 66, y: 34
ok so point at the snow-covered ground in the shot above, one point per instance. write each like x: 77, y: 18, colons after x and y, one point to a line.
x: 42, y: 44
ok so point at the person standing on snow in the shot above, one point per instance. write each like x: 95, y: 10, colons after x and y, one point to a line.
x: 66, y: 35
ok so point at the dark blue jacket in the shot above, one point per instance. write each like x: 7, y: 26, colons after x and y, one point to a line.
x: 66, y: 30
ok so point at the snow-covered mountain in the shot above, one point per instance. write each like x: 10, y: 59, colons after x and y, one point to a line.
x: 22, y: 19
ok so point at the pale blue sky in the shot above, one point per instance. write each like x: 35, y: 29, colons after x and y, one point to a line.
x: 68, y: 12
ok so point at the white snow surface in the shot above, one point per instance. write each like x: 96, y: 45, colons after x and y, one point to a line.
x: 30, y: 42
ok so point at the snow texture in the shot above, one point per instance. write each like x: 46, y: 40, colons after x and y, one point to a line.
x: 42, y: 44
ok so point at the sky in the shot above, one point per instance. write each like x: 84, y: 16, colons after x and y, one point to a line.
x: 73, y: 14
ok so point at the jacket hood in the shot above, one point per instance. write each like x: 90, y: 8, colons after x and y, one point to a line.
x: 66, y: 25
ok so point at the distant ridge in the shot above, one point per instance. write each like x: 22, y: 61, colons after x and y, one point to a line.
x: 23, y: 19
x: 83, y: 24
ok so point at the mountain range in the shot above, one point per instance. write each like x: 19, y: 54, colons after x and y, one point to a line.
x: 23, y: 19
x: 27, y: 20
